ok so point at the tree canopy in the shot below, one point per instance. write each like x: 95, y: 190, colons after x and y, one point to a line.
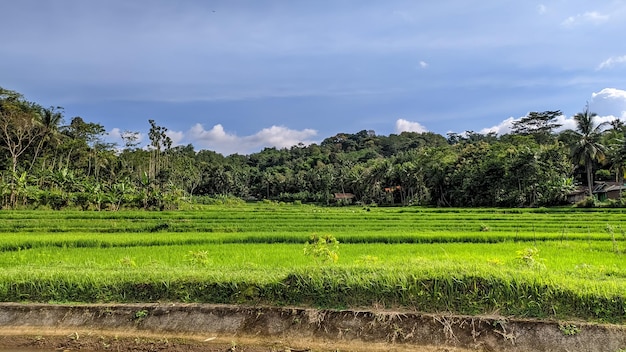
x: 48, y: 163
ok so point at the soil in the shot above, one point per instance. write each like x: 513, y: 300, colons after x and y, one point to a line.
x: 201, y: 327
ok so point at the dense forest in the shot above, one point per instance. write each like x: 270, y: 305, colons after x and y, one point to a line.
x: 47, y: 161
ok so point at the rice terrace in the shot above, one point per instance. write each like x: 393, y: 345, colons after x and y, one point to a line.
x: 450, y: 266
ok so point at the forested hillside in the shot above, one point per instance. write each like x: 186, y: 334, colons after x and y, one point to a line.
x: 48, y: 160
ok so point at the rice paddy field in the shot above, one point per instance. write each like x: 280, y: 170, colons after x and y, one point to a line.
x: 559, y: 263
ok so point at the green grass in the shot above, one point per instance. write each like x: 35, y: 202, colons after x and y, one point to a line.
x: 543, y: 263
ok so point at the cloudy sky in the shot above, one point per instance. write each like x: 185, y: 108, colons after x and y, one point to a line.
x: 239, y: 75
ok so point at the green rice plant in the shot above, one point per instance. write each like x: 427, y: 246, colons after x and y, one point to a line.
x: 427, y: 259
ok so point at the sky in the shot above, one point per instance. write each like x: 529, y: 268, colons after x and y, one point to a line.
x: 236, y: 76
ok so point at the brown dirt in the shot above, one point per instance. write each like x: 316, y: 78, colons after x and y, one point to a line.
x: 201, y: 327
x: 85, y: 340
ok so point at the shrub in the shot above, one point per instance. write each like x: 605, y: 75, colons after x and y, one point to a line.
x: 589, y: 202
x: 322, y: 248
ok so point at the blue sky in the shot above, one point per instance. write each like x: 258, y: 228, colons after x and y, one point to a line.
x: 237, y: 76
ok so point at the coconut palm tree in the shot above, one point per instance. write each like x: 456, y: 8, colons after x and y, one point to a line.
x: 588, y: 148
x: 617, y: 158
x: 49, y: 120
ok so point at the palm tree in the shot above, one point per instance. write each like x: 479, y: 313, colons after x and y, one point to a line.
x: 617, y: 158
x: 588, y: 148
x: 49, y: 121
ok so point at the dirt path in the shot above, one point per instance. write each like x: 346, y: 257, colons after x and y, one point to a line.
x: 201, y: 327
x: 90, y: 340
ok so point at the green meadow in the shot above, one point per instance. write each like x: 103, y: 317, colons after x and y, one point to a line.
x: 559, y: 263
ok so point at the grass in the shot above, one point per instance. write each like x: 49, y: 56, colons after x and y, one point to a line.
x: 543, y: 263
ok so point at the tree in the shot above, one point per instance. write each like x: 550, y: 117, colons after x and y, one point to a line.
x: 83, y: 136
x: 18, y: 125
x: 540, y: 125
x: 131, y: 139
x: 588, y: 149
x: 616, y: 156
x: 18, y: 131
x: 159, y: 141
x: 49, y: 122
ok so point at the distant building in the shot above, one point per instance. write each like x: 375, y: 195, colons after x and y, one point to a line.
x: 578, y: 195
x: 344, y: 196
x: 604, y: 190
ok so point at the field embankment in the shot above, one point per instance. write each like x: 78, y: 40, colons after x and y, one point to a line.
x: 201, y: 327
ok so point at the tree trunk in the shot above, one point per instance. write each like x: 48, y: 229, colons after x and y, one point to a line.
x: 589, y: 178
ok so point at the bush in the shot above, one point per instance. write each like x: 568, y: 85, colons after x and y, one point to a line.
x: 613, y: 203
x: 55, y: 199
x: 220, y: 199
x: 589, y: 202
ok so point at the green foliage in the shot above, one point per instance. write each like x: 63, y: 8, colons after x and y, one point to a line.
x: 603, y: 175
x: 431, y: 259
x: 569, y: 329
x: 588, y: 202
x: 529, y: 257
x: 227, y: 200
x: 199, y: 257
x: 140, y: 315
x: 324, y: 248
x: 60, y: 166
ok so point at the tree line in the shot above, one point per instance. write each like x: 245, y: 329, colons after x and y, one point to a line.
x: 48, y: 162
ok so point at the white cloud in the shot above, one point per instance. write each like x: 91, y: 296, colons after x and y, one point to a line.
x: 612, y: 61
x: 217, y: 139
x: 567, y: 123
x: 609, y: 102
x: 423, y: 64
x: 610, y: 93
x: 403, y: 125
x: 115, y: 133
x: 176, y: 137
x: 570, y: 124
x: 592, y: 17
x: 503, y: 127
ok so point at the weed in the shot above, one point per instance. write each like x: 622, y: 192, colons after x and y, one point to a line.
x: 611, y: 231
x: 322, y: 248
x: 140, y: 315
x: 529, y: 257
x: 127, y: 262
x: 569, y: 329
x: 200, y: 258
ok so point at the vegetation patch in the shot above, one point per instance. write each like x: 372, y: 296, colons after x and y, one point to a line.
x: 425, y: 259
